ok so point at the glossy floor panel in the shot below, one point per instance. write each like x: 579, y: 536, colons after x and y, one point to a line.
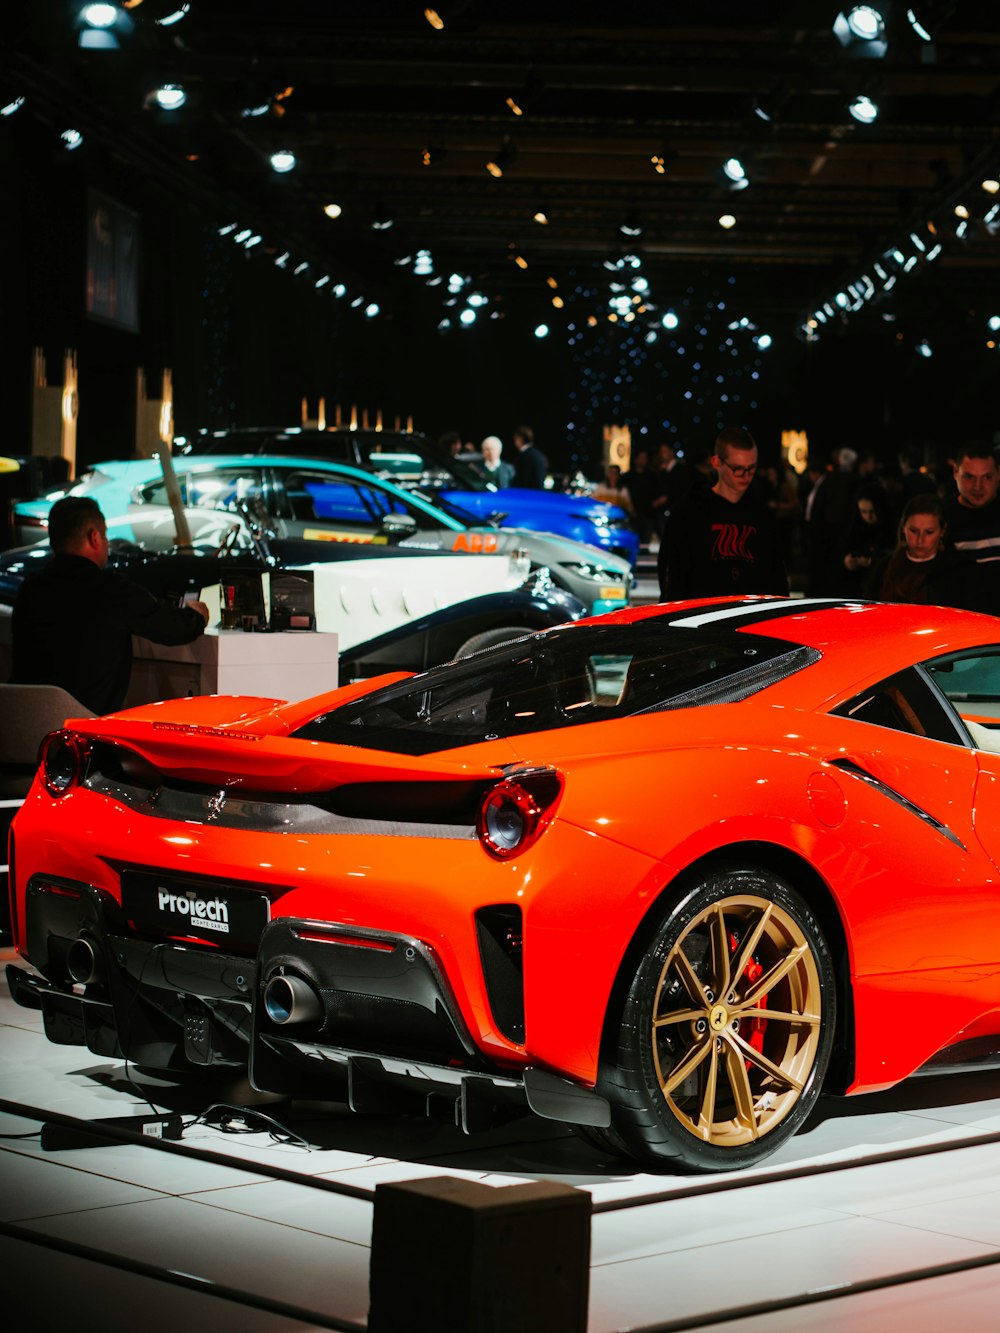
x: 665, y: 1250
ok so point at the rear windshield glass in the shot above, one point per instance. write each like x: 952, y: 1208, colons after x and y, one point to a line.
x: 562, y: 678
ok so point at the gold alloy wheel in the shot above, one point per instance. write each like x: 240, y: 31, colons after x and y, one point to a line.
x: 736, y: 1020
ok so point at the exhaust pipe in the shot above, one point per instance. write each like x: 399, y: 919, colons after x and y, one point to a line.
x: 292, y: 1000
x: 83, y: 963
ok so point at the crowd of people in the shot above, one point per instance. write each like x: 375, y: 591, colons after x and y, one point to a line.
x: 726, y: 527
x: 847, y: 529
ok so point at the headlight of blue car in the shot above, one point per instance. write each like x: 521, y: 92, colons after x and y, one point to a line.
x: 599, y: 573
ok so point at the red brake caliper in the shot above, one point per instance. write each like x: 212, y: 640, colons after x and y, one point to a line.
x: 754, y: 1034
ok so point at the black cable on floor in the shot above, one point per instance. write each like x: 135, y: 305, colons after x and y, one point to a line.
x: 94, y: 1129
x: 202, y: 1285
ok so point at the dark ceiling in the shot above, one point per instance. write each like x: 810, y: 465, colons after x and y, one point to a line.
x: 395, y: 122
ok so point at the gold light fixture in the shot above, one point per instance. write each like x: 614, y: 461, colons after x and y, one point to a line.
x: 501, y: 160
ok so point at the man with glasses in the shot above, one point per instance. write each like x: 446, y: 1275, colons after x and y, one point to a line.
x: 725, y: 541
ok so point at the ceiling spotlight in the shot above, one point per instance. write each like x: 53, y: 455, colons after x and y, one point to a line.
x: 71, y: 139
x: 283, y: 160
x: 175, y: 15
x: 521, y: 101
x: 727, y: 221
x: 100, y: 15
x: 541, y: 330
x: 432, y: 157
x: 732, y: 174
x: 630, y: 225
x: 371, y: 310
x: 170, y: 97
x: 866, y: 22
x: 767, y: 106
x: 919, y: 22
x: 670, y: 320
x: 467, y: 317
x: 13, y: 105
x: 863, y: 109
x: 332, y: 210
x: 763, y: 341
x: 445, y: 11
x: 500, y: 162
x: 991, y: 185
x: 924, y: 348
x: 861, y: 31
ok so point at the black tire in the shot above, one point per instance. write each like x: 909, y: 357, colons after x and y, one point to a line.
x: 704, y: 1075
x: 606, y: 1141
x: 491, y: 638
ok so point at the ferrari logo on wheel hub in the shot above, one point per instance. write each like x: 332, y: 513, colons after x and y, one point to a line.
x: 718, y: 1019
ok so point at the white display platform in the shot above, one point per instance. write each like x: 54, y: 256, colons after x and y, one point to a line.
x: 277, y: 666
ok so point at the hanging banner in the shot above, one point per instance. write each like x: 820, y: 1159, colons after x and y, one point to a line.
x: 112, y: 262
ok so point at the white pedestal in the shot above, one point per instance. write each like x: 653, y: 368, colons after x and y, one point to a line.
x: 275, y: 666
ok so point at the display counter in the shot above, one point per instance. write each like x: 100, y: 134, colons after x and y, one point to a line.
x: 276, y: 666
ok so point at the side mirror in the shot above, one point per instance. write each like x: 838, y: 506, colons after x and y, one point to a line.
x: 399, y: 526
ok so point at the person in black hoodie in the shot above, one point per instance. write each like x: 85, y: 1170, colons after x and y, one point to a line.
x: 724, y: 541
x: 73, y: 621
x: 867, y: 537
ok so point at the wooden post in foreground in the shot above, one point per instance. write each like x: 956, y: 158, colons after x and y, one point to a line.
x: 457, y: 1255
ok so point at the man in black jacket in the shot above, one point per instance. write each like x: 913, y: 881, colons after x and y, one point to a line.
x: 724, y: 541
x: 73, y: 621
x: 531, y: 466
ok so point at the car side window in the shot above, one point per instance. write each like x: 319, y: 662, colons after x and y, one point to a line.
x: 903, y: 702
x: 216, y: 489
x: 971, y: 684
x: 223, y: 489
x: 325, y: 497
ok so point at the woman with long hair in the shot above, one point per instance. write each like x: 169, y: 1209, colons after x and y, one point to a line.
x: 923, y: 568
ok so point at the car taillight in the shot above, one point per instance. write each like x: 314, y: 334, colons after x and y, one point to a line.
x: 63, y: 761
x: 515, y: 812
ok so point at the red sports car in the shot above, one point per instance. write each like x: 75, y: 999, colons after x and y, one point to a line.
x: 663, y: 875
